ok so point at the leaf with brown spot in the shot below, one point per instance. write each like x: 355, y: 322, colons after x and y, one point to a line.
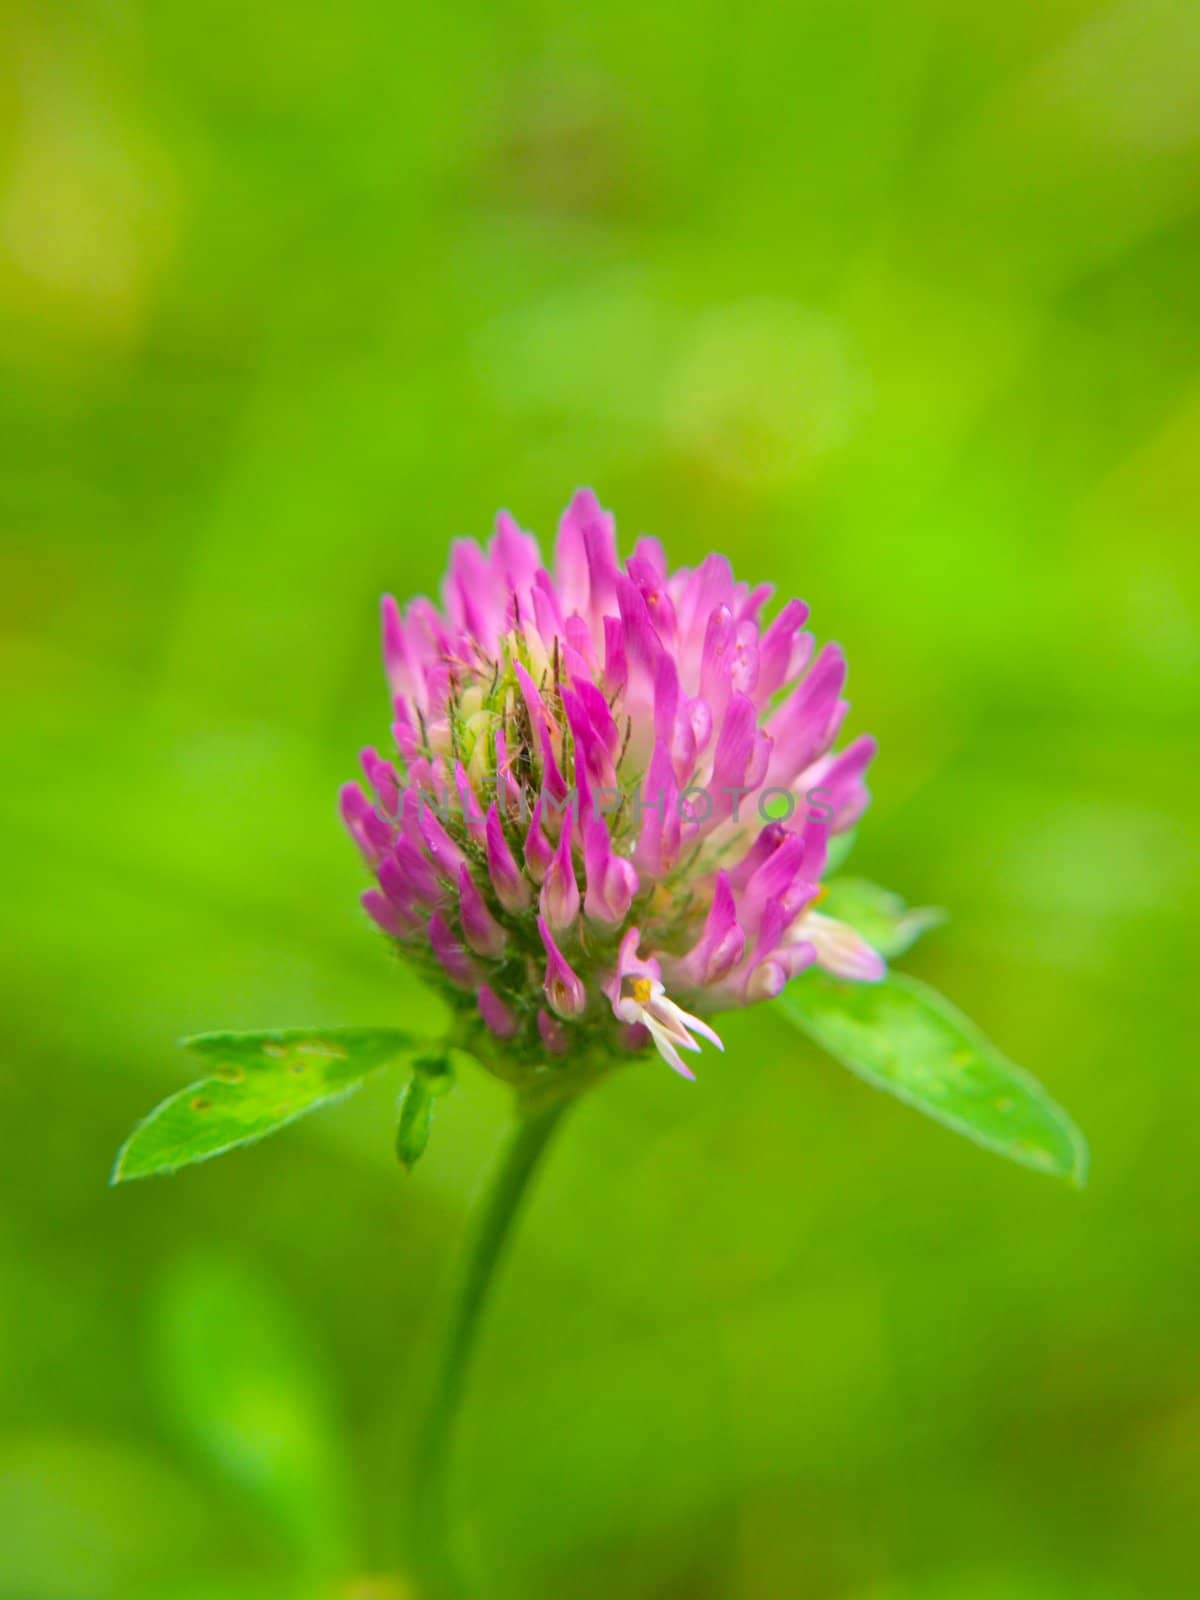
x: 258, y: 1082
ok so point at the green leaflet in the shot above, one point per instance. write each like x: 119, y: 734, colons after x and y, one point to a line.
x: 259, y: 1082
x: 416, y: 1119
x: 904, y: 1037
x: 882, y: 918
x: 432, y: 1077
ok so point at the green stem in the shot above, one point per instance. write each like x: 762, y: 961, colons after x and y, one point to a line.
x: 431, y: 1527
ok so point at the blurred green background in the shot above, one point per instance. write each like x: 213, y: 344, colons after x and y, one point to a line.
x: 899, y: 305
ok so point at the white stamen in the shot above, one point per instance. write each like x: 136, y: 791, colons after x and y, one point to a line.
x: 669, y: 1025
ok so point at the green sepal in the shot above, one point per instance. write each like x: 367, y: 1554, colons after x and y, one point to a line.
x: 259, y: 1082
x: 904, y: 1037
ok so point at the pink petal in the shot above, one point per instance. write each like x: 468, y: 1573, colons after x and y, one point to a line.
x: 454, y: 959
x: 512, y: 889
x: 563, y: 989
x: 560, y: 893
x: 480, y: 928
x: 498, y: 1017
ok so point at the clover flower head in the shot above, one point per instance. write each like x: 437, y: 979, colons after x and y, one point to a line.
x: 612, y: 796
